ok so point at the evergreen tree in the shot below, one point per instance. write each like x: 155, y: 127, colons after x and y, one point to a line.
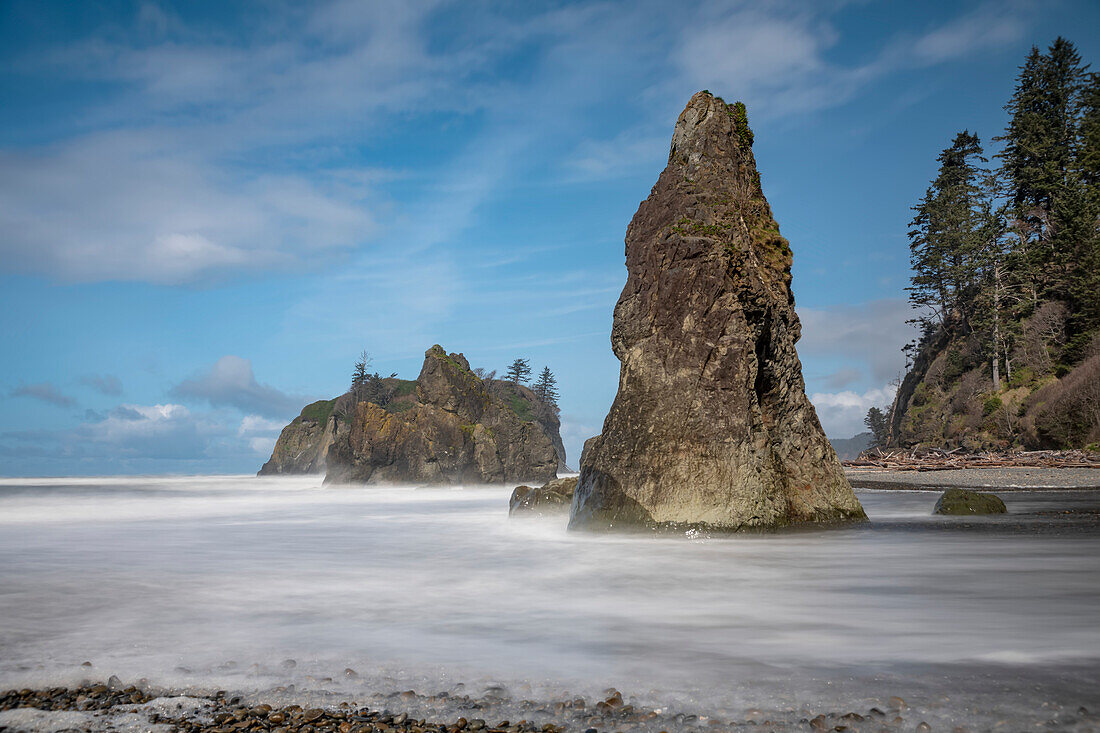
x: 1039, y: 157
x: 879, y: 425
x: 519, y: 372
x: 546, y: 388
x: 368, y: 387
x: 946, y: 244
x: 359, y: 376
x: 1081, y: 226
x: 1088, y: 137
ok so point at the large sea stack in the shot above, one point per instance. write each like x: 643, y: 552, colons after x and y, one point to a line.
x: 711, y: 427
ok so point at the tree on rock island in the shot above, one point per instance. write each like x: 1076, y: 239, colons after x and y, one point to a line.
x: 546, y: 388
x: 519, y: 372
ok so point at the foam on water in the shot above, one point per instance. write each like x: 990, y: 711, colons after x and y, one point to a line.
x: 171, y: 578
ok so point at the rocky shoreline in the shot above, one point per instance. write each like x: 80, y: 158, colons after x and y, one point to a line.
x: 993, y: 479
x: 114, y: 706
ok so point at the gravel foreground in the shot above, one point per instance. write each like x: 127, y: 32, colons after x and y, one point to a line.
x: 993, y: 479
x: 114, y: 707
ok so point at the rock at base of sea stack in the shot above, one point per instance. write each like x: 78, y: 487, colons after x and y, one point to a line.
x: 553, y: 497
x: 711, y: 427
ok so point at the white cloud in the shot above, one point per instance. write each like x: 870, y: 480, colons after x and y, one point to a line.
x: 161, y: 431
x: 867, y: 336
x: 142, y: 438
x: 133, y: 206
x: 162, y: 183
x: 252, y: 424
x: 167, y: 190
x: 771, y: 57
x: 842, y: 413
x: 631, y: 149
x: 991, y: 25
x: 775, y: 56
x: 262, y: 445
x: 259, y: 433
x: 230, y: 382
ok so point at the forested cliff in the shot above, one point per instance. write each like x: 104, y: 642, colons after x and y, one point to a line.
x: 1005, y: 253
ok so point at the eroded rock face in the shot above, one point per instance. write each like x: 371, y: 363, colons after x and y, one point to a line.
x: 711, y: 426
x: 455, y: 432
x: 527, y: 402
x: 303, y: 445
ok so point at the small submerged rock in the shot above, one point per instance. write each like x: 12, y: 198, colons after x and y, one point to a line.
x: 964, y: 502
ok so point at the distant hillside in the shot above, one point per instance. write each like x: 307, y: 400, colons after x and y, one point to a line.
x: 849, y: 448
x: 1006, y: 276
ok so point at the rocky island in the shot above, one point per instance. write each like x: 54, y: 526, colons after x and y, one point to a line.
x: 449, y: 426
x: 711, y: 426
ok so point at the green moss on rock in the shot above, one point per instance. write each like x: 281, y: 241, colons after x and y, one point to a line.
x: 962, y: 502
x: 318, y: 411
x: 741, y: 122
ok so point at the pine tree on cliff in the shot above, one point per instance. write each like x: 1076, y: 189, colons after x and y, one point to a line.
x: 946, y: 242
x: 1083, y: 224
x: 519, y: 372
x: 359, y: 376
x: 546, y: 388
x: 1088, y: 156
x: 368, y: 387
x: 1041, y: 144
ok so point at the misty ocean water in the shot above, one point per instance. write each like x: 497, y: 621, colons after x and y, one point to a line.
x: 217, y: 581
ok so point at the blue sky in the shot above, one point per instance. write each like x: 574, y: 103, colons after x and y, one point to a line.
x: 207, y: 210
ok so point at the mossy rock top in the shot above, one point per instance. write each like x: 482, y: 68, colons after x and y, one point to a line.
x: 962, y: 502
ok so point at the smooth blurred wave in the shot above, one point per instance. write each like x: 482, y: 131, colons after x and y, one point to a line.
x: 158, y: 577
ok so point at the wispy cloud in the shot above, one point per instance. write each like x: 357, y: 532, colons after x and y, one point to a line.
x: 230, y: 382
x: 212, y: 155
x: 105, y: 384
x: 771, y: 57
x: 988, y: 26
x: 842, y: 377
x: 776, y: 56
x: 44, y: 392
x: 170, y: 178
x: 134, y: 206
